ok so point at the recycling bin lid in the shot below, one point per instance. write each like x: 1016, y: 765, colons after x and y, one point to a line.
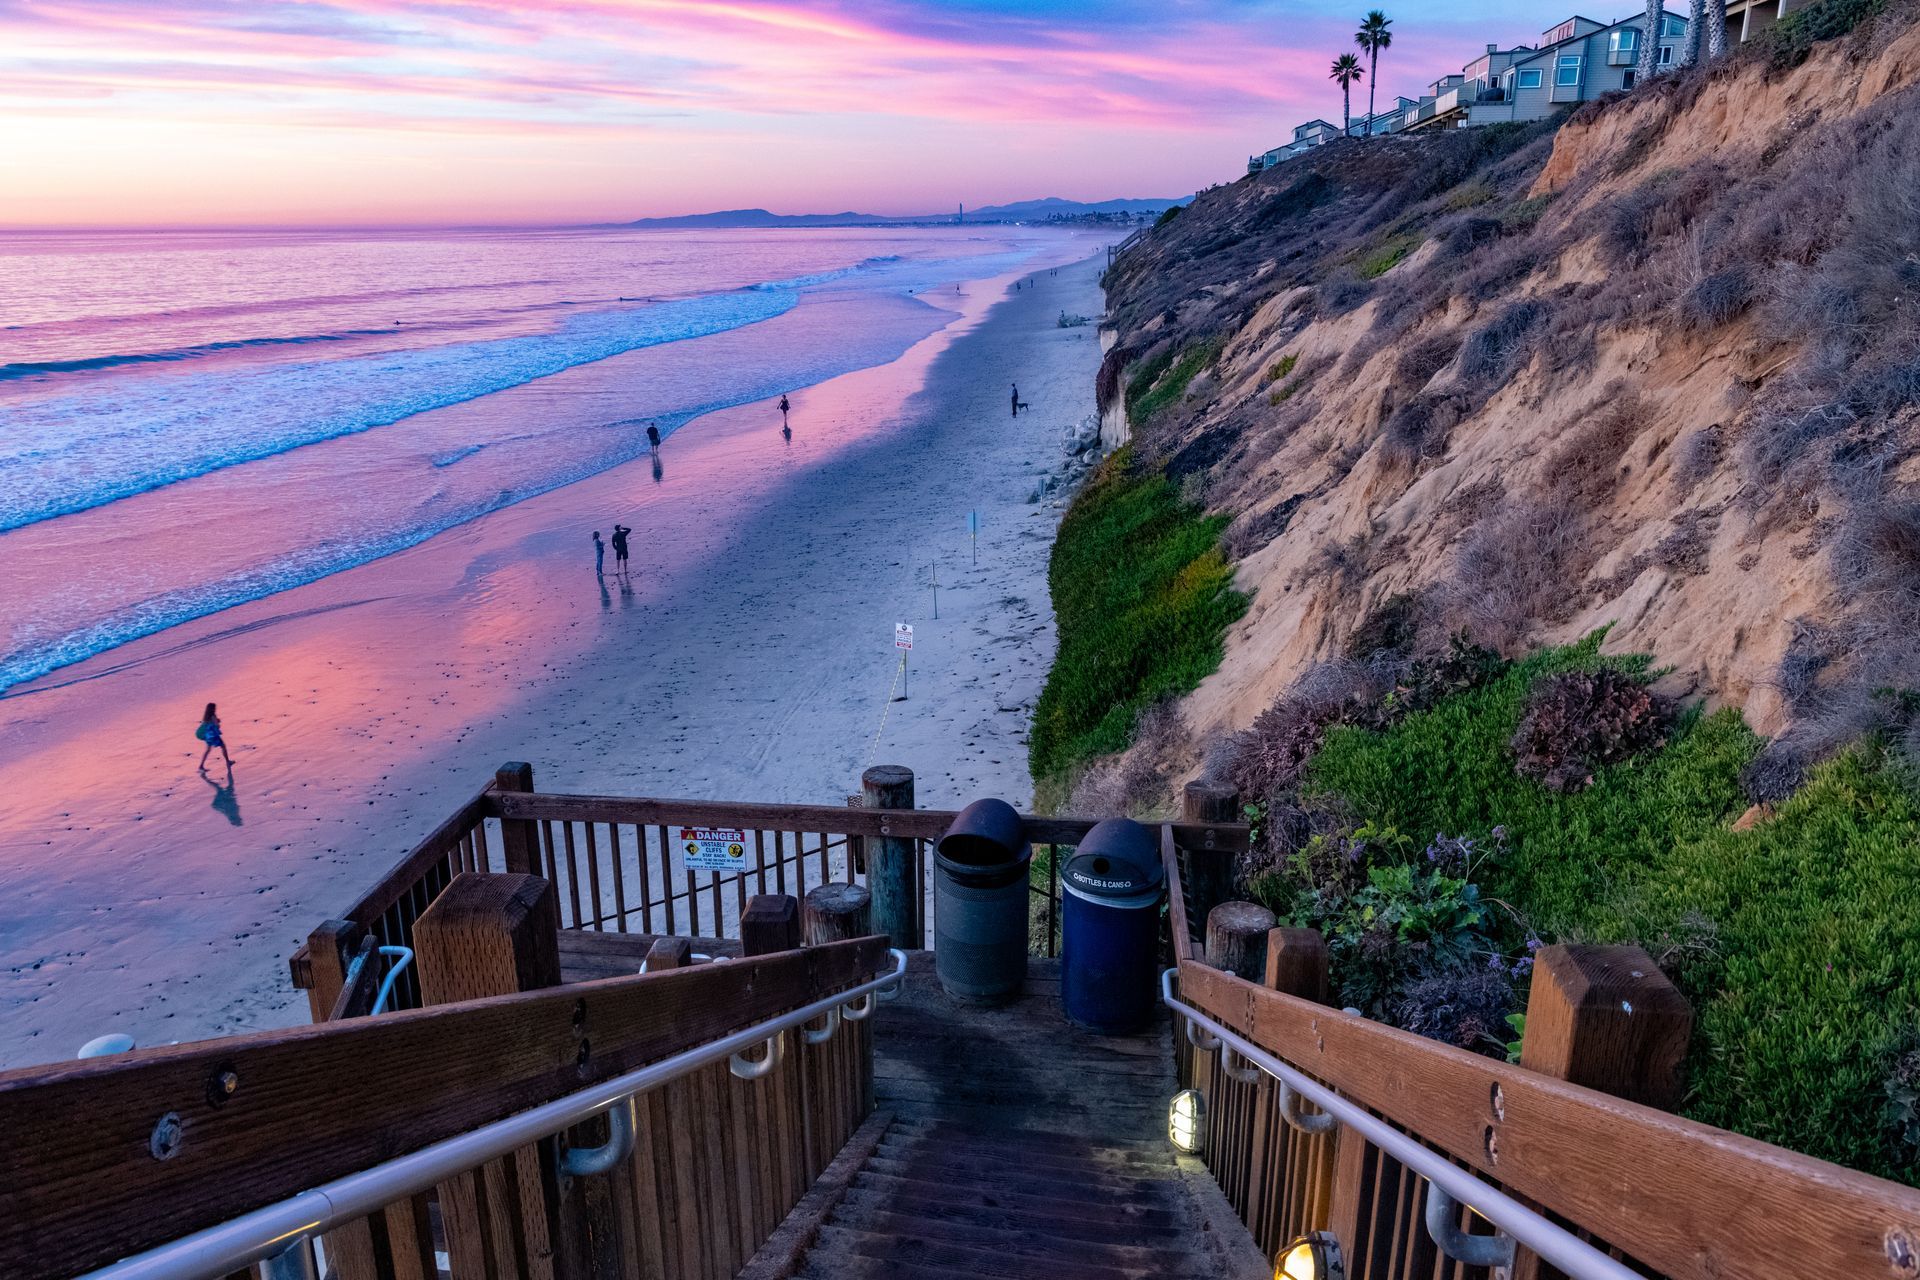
x: 987, y: 833
x: 1117, y: 860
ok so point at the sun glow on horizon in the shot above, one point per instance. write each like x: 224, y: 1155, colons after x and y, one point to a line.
x: 155, y: 113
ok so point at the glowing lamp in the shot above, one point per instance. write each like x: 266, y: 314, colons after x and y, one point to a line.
x: 1187, y: 1121
x: 1313, y: 1257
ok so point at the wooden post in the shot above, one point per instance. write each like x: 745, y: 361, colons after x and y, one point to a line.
x: 519, y: 842
x: 836, y: 912
x: 1237, y: 939
x: 770, y: 923
x: 1208, y: 881
x: 330, y: 950
x: 669, y: 953
x: 891, y: 870
x: 490, y: 935
x: 1289, y: 1173
x: 1297, y: 963
x: 1606, y: 1018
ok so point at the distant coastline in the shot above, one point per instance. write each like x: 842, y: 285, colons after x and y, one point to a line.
x: 1048, y: 209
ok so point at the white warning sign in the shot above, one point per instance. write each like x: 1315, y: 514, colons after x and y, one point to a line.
x: 713, y: 848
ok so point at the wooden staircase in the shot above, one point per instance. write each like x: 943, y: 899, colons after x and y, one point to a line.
x: 1007, y: 1143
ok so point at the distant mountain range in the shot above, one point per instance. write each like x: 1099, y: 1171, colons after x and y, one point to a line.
x: 1020, y: 211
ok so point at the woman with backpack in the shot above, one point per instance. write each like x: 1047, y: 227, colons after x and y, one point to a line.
x: 209, y: 733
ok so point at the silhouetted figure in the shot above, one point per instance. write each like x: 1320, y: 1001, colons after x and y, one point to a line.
x: 209, y: 733
x: 653, y: 437
x: 1016, y: 399
x: 599, y: 554
x: 620, y: 533
x: 225, y: 802
x: 784, y: 406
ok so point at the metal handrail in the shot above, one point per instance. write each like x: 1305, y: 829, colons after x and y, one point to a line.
x: 273, y: 1230
x: 1554, y: 1244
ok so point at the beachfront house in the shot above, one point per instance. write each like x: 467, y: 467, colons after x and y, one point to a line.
x: 1314, y: 133
x: 1576, y: 61
x: 1748, y: 18
x: 1388, y: 119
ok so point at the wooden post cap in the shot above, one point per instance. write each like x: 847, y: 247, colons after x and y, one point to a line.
x: 1237, y: 938
x: 514, y: 775
x: 1607, y: 1018
x: 888, y: 781
x: 836, y: 912
x: 669, y: 953
x: 488, y: 935
x: 1297, y: 963
x: 1209, y: 802
x: 771, y: 923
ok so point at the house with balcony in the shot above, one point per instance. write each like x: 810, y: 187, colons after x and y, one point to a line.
x: 1748, y: 18
x: 1388, y: 119
x: 1314, y: 133
x: 1576, y: 61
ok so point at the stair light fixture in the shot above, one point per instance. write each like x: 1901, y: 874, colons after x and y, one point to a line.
x: 1187, y: 1121
x: 1311, y: 1257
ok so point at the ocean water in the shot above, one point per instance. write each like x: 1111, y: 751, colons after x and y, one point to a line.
x: 189, y: 421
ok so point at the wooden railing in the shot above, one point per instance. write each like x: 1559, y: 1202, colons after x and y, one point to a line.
x: 1661, y: 1194
x: 617, y: 866
x: 112, y: 1156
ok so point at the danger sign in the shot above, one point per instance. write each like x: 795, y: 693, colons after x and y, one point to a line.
x: 903, y: 635
x: 713, y: 848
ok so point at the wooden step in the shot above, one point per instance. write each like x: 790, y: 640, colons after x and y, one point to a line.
x: 903, y: 1241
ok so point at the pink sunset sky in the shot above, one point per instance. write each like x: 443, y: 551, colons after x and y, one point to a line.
x: 354, y: 112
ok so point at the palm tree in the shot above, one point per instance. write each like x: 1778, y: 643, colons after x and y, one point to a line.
x: 1690, y: 44
x: 1650, y: 42
x: 1346, y: 69
x: 1716, y: 28
x: 1372, y: 37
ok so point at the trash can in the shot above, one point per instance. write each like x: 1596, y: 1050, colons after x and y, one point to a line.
x: 1110, y: 928
x: 980, y: 904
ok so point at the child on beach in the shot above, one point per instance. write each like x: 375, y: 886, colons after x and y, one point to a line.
x: 209, y: 733
x: 599, y: 554
x: 620, y: 533
x: 784, y: 406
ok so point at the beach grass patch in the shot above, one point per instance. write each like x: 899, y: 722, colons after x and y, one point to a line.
x: 1163, y: 380
x: 1371, y: 264
x: 1142, y: 598
x: 1795, y: 939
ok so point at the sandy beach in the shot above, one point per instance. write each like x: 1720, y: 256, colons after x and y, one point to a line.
x: 748, y: 655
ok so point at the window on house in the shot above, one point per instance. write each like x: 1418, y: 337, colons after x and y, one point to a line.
x: 1566, y: 71
x: 1673, y: 26
x: 1626, y: 79
x: 1625, y: 40
x: 1666, y: 55
x: 1530, y: 79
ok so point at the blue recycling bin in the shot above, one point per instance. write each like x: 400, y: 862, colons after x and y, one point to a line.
x: 1110, y: 928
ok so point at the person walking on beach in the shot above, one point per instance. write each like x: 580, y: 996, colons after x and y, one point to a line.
x: 784, y: 406
x: 653, y: 437
x: 1016, y: 399
x: 620, y: 533
x: 209, y: 733
x: 599, y: 555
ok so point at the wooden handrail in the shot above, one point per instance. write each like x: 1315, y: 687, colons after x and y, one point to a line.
x: 1183, y: 949
x: 257, y: 1118
x: 1691, y: 1201
x: 911, y: 824
x: 392, y: 886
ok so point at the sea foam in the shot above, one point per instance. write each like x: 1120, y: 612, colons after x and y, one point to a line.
x: 102, y: 440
